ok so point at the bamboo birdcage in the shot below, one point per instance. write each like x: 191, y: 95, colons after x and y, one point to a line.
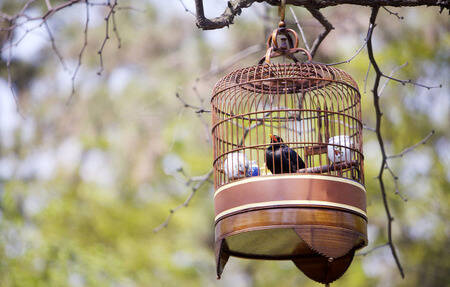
x: 316, y: 215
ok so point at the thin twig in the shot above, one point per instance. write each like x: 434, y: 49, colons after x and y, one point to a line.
x: 390, y: 75
x: 301, y: 30
x: 411, y: 82
x: 354, y: 55
x: 197, y: 109
x: 411, y: 148
x: 116, y: 31
x: 200, y: 182
x: 394, y: 13
x: 371, y: 250
x: 325, y: 23
x: 233, y: 60
x: 366, y: 127
x: 55, y: 49
x: 367, y: 75
x: 396, y: 185
x: 80, y: 54
x: 186, y: 8
x: 109, y: 16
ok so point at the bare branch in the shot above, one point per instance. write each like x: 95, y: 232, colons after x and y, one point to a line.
x: 116, y: 31
x: 354, y: 55
x: 185, y: 8
x: 393, y: 13
x: 197, y: 109
x: 200, y: 182
x: 367, y: 74
x: 109, y: 16
x: 234, y: 8
x: 55, y: 50
x: 233, y: 60
x: 411, y: 82
x: 397, y: 187
x: 80, y: 54
x: 411, y: 148
x: 376, y: 100
x: 371, y: 250
x: 325, y: 23
x: 301, y: 30
x: 366, y: 127
x: 390, y: 75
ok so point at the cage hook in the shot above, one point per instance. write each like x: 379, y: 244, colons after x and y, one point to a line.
x: 289, y: 43
x: 282, y: 13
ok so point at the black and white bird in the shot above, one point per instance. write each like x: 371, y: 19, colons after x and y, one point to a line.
x: 282, y: 159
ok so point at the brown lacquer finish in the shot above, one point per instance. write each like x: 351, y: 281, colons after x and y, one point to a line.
x: 288, y: 163
x: 322, y: 269
x: 313, y: 238
x: 285, y: 233
x: 289, y: 190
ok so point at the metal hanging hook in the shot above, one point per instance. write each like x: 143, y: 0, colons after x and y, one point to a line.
x: 289, y: 41
x: 282, y: 13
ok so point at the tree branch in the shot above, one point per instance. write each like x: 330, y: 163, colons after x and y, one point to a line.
x: 395, y: 178
x: 354, y: 55
x: 394, y: 13
x: 411, y: 148
x: 234, y: 8
x: 300, y: 30
x: 371, y: 250
x: 55, y: 49
x: 186, y: 8
x: 198, y: 110
x: 376, y: 100
x: 390, y: 75
x: 109, y: 16
x: 325, y: 23
x: 200, y: 182
x: 233, y: 60
x: 80, y: 54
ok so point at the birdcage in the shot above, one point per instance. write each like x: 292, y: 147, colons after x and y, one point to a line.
x: 288, y: 163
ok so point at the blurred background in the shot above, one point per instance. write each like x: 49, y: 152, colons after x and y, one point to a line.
x: 84, y: 184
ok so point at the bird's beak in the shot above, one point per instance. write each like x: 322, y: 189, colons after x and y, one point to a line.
x: 272, y: 137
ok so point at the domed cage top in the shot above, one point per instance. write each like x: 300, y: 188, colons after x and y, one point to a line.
x: 315, y: 110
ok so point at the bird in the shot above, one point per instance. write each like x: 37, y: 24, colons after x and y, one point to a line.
x: 235, y: 165
x: 282, y: 159
x: 342, y: 152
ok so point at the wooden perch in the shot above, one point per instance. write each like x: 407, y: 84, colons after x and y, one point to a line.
x: 326, y: 168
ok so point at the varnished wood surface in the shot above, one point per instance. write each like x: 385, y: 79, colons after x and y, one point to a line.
x: 290, y: 191
x: 289, y: 217
x: 321, y: 269
x: 286, y: 233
